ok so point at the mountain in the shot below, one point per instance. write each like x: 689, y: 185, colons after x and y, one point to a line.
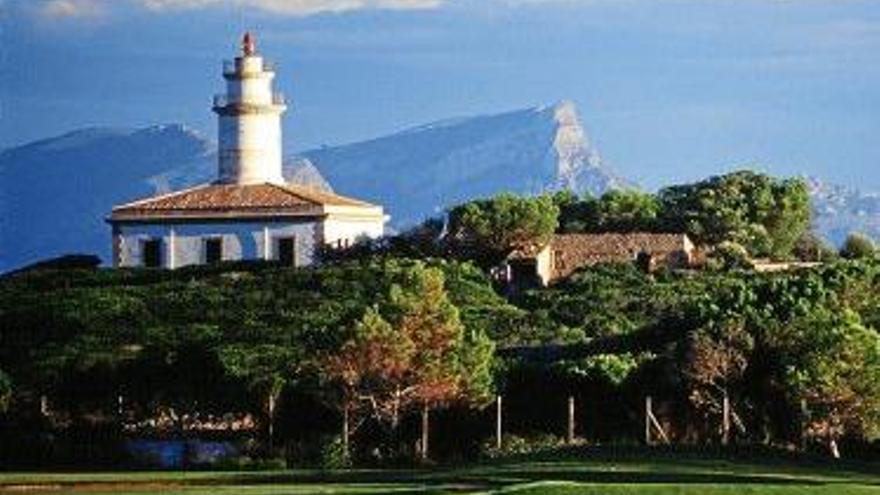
x: 418, y: 172
x: 55, y: 193
x: 840, y: 210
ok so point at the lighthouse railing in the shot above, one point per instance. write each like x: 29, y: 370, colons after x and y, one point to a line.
x: 221, y: 100
x: 232, y: 67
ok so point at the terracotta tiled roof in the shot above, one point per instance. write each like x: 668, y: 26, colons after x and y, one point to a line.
x: 569, y: 252
x: 232, y: 199
x: 526, y: 252
x: 612, y: 243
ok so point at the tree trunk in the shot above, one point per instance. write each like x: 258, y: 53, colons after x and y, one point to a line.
x: 570, y: 436
x: 345, y: 431
x: 270, y: 409
x: 832, y: 446
x: 423, y: 451
x: 498, y: 423
x: 395, y: 423
x: 725, y: 420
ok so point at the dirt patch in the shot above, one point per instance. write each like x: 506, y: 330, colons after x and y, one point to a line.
x: 106, y: 487
x: 29, y: 488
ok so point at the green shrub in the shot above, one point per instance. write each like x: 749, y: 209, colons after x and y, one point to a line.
x: 858, y: 246
x: 811, y: 247
x: 729, y: 256
x: 512, y: 445
x: 333, y: 454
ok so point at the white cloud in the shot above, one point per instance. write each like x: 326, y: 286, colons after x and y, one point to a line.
x: 59, y: 9
x: 292, y: 7
x: 86, y: 9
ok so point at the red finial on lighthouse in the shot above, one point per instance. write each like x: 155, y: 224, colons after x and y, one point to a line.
x: 248, y: 44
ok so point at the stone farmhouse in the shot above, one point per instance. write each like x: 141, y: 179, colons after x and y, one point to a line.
x: 565, y: 253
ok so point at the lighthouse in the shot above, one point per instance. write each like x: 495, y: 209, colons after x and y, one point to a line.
x: 249, y: 120
x: 249, y: 212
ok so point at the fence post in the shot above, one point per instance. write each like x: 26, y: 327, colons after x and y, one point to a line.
x: 346, y: 434
x: 498, y: 422
x: 650, y: 420
x: 803, y: 425
x: 725, y: 421
x: 570, y: 436
x: 424, y: 448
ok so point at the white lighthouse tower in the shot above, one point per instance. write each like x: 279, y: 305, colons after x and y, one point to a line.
x: 249, y: 120
x: 249, y: 212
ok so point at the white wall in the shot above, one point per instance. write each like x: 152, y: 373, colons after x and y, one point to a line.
x: 256, y: 87
x: 544, y: 264
x: 250, y: 148
x: 249, y: 141
x: 350, y: 229
x: 183, y: 244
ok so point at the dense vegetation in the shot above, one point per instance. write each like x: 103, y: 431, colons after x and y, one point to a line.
x: 236, y: 337
x: 765, y: 215
x: 347, y: 361
x: 762, y: 215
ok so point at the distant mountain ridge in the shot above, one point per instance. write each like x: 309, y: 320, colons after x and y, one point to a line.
x: 420, y: 171
x: 56, y: 192
x: 840, y: 210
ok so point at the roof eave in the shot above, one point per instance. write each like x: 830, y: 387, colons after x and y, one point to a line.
x: 178, y: 215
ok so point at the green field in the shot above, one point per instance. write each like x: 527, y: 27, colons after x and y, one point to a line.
x: 583, y: 472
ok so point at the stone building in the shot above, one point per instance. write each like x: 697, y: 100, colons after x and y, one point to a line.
x: 565, y: 253
x: 249, y: 212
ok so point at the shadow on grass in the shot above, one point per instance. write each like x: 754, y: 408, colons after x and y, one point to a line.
x: 627, y: 465
x: 490, y: 478
x: 594, y: 465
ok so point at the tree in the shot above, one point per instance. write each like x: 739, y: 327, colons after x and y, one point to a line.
x: 858, y: 246
x: 615, y: 211
x: 811, y: 247
x: 764, y: 214
x: 729, y: 256
x: 266, y: 368
x: 627, y: 211
x: 716, y: 357
x: 410, y: 350
x: 486, y: 230
x: 363, y: 368
x: 716, y: 353
x: 831, y: 366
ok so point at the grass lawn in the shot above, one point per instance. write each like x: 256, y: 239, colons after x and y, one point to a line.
x: 578, y: 471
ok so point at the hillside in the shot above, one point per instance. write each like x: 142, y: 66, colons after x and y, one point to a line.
x: 420, y: 171
x: 56, y: 192
x: 840, y: 210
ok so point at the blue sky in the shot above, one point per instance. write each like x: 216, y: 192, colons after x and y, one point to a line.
x: 669, y: 90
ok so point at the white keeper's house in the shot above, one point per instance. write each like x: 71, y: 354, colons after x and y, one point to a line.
x: 249, y: 212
